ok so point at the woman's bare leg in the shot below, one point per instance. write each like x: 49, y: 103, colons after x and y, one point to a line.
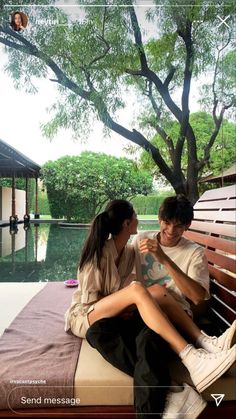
x: 174, y: 311
x: 150, y: 312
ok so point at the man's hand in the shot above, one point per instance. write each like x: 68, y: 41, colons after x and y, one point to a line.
x: 152, y: 246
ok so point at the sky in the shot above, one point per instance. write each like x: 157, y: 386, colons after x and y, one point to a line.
x: 22, y: 113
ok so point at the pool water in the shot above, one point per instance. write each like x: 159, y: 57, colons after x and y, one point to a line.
x: 44, y: 252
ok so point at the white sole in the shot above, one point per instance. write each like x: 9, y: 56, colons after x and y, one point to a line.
x: 232, y: 336
x: 195, y: 407
x: 194, y: 411
x: 217, y: 373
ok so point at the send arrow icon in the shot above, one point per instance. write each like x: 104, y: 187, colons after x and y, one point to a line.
x: 218, y: 398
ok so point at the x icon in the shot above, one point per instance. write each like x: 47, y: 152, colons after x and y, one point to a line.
x: 223, y: 21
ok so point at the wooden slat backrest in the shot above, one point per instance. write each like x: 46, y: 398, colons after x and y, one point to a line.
x: 227, y: 192
x: 222, y: 261
x: 215, y: 216
x: 217, y: 204
x: 228, y: 246
x: 214, y: 227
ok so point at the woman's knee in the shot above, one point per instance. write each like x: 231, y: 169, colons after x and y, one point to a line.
x: 158, y: 292
x: 137, y: 289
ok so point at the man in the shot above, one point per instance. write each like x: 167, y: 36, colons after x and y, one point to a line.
x: 171, y: 260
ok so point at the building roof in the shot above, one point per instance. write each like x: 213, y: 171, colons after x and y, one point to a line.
x: 14, y: 163
x: 228, y: 175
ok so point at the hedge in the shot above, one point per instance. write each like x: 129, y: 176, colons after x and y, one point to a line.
x: 149, y: 205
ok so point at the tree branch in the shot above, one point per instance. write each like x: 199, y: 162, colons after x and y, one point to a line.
x: 134, y: 72
x: 156, y: 109
x: 137, y: 138
x: 165, y: 94
x: 169, y: 76
x: 212, y: 139
x: 14, y: 34
x: 134, y: 136
x: 186, y: 131
x: 168, y: 141
x: 103, y: 55
x: 217, y: 120
x: 161, y: 88
x: 14, y: 45
x: 31, y: 49
x: 186, y: 36
x: 102, y: 38
x: 215, y: 100
x: 138, y: 38
x: 146, y: 72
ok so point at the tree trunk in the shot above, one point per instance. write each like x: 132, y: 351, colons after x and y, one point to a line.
x: 187, y: 187
x: 192, y: 187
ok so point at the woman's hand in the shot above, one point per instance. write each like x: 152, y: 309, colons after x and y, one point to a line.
x: 152, y: 246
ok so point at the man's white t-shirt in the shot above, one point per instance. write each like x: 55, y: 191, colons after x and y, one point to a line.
x: 187, y: 255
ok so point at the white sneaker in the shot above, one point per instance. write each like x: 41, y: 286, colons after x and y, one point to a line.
x: 185, y: 404
x: 205, y: 368
x: 221, y: 343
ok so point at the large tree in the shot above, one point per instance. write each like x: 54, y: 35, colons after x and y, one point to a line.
x: 104, y: 52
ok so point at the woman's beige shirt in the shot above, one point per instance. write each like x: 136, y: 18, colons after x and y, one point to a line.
x: 95, y: 284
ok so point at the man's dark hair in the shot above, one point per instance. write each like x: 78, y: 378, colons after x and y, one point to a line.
x: 177, y: 208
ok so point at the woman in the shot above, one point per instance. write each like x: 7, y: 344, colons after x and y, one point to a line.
x: 106, y: 290
x: 17, y: 23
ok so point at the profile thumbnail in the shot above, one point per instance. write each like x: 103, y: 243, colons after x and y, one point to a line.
x: 19, y: 21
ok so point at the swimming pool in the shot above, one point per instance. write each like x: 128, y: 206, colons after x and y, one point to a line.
x: 45, y: 252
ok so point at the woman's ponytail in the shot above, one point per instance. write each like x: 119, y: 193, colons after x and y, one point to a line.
x: 99, y: 233
x: 109, y: 221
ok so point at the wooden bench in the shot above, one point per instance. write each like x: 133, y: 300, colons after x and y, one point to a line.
x: 214, y: 228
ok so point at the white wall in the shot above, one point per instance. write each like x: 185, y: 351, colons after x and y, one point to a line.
x: 6, y: 202
x: 6, y: 240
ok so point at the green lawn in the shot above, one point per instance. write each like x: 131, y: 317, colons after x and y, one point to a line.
x: 140, y: 217
x: 147, y: 217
